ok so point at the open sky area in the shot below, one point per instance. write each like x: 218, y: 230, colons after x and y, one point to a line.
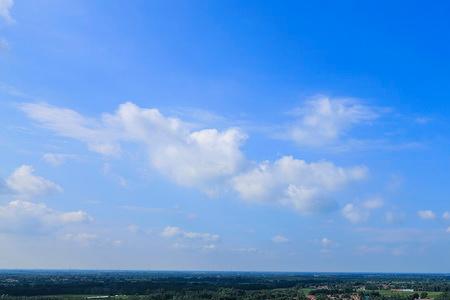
x: 225, y: 135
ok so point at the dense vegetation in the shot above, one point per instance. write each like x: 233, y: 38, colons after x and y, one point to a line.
x: 42, y: 285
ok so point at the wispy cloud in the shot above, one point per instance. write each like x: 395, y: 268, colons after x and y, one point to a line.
x: 57, y: 159
x: 396, y: 235
x: 191, y: 239
x: 324, y: 121
x: 360, y: 212
x: 340, y: 125
x: 5, y: 11
x: 278, y: 239
x: 426, y: 214
x: 177, y: 232
x: 4, y: 45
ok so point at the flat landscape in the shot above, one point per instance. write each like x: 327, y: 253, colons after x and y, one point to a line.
x: 221, y: 285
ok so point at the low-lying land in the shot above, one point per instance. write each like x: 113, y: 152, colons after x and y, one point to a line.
x: 142, y: 285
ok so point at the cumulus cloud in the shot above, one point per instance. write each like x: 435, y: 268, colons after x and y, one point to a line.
x: 426, y: 214
x: 24, y: 183
x: 189, y: 157
x: 324, y: 120
x: 278, y: 239
x: 208, y: 159
x: 21, y: 215
x: 295, y: 183
x: 5, y: 10
x: 446, y: 215
x: 177, y: 232
x: 24, y: 217
x: 360, y: 212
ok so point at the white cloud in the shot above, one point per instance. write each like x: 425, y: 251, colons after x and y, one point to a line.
x: 117, y: 243
x: 4, y: 45
x: 373, y: 203
x: 209, y: 247
x: 365, y: 249
x: 394, y: 217
x: 74, y: 217
x: 208, y: 159
x: 398, y: 251
x: 133, y: 228
x: 190, y: 240
x: 356, y: 213
x: 448, y: 229
x: 57, y: 159
x: 326, y: 243
x: 190, y: 158
x: 69, y: 123
x: 108, y: 171
x: 446, y: 215
x: 86, y: 239
x: 422, y: 120
x: 295, y: 183
x: 396, y: 235
x: 171, y: 231
x: 280, y: 239
x: 323, y: 120
x: 246, y: 250
x: 177, y: 232
x: 5, y: 10
x: 24, y: 183
x: 24, y: 216
x: 82, y: 238
x: 426, y: 214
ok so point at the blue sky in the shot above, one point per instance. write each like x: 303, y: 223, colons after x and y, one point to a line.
x: 223, y: 135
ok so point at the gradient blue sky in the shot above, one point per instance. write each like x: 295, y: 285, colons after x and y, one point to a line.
x: 225, y: 135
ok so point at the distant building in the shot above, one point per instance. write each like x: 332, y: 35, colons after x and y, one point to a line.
x: 311, y: 297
